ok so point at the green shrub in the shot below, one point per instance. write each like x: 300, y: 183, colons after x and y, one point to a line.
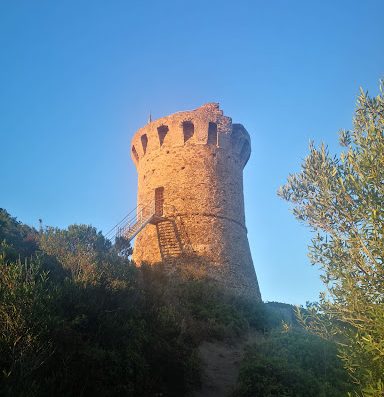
x: 292, y: 363
x: 79, y: 319
x: 17, y: 241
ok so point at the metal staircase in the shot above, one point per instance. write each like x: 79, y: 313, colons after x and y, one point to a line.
x: 134, y: 222
x: 167, y: 233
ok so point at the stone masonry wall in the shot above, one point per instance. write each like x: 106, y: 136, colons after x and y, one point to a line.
x: 203, y: 191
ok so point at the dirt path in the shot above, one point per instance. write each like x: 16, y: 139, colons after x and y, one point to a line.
x: 221, y: 364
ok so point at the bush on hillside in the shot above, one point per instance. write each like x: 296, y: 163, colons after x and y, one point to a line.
x: 17, y: 241
x: 78, y: 318
x: 292, y: 363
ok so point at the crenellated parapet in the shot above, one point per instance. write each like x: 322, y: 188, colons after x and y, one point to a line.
x: 203, y: 126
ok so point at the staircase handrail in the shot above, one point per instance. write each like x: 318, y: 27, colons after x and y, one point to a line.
x: 135, y: 217
x: 112, y: 231
x: 138, y: 219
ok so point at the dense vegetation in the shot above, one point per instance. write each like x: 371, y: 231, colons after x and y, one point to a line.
x: 291, y: 363
x: 78, y: 319
x: 342, y: 199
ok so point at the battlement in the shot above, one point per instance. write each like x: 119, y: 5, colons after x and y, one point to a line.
x: 205, y: 125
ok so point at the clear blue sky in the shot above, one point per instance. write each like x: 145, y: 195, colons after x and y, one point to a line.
x: 77, y: 78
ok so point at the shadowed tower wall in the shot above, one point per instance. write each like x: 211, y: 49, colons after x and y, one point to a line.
x: 191, y: 164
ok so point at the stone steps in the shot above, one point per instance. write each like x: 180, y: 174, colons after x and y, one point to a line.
x: 168, y: 240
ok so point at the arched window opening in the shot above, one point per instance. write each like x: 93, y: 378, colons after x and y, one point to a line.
x: 159, y: 201
x: 188, y: 130
x: 162, y: 131
x: 212, y: 134
x: 135, y: 155
x: 144, y: 142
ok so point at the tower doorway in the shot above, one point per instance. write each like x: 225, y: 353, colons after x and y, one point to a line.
x: 159, y: 201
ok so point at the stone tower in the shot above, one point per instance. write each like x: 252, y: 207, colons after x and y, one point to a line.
x: 190, y: 195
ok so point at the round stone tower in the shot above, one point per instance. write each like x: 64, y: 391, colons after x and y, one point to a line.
x: 190, y: 195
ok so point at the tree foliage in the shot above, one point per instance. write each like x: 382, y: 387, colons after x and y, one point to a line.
x: 77, y: 318
x: 291, y: 363
x: 16, y: 239
x: 342, y: 200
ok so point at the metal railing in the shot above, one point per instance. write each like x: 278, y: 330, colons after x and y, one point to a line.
x: 136, y: 220
x: 129, y: 224
x: 132, y: 226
